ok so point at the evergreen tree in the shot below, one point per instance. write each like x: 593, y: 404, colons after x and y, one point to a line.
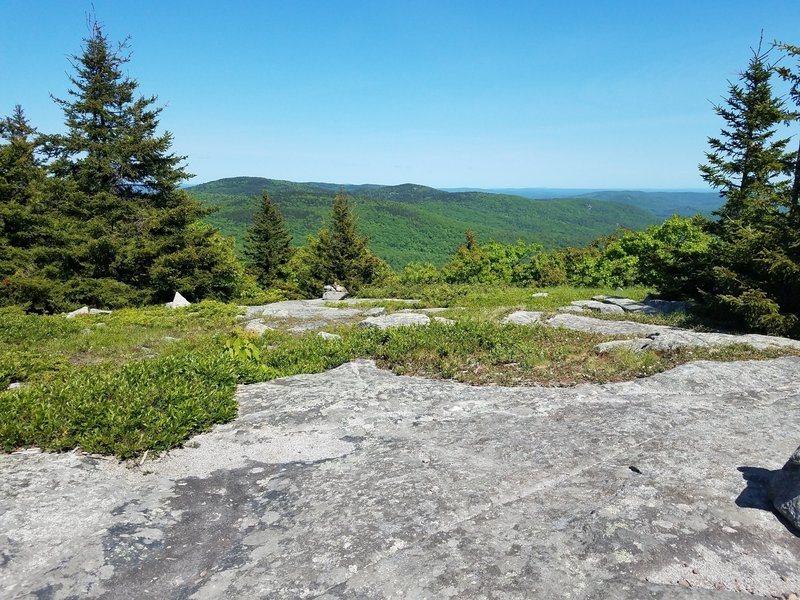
x: 793, y: 77
x: 746, y: 163
x: 340, y: 254
x: 753, y: 277
x: 267, y: 245
x: 132, y: 219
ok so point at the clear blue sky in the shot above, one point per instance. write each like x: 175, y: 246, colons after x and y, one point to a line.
x: 585, y: 93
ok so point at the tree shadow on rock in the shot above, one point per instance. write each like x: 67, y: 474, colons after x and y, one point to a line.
x: 757, y: 493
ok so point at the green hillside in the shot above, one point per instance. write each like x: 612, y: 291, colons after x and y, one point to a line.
x: 664, y: 204
x: 416, y: 223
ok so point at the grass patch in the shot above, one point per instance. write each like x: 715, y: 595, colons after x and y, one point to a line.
x: 124, y: 389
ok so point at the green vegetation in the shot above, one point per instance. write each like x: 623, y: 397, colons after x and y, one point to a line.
x: 267, y: 244
x: 339, y: 254
x: 408, y: 223
x: 95, y: 216
x: 124, y: 389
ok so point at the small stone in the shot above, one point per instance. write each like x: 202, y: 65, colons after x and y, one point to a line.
x: 374, y: 312
x: 329, y: 336
x: 444, y: 321
x: 178, y: 301
x: 540, y: 295
x: 87, y: 330
x: 83, y: 310
x: 14, y: 385
x: 169, y: 338
x: 101, y: 324
x: 257, y: 327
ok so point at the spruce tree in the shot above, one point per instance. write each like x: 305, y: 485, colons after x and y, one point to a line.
x: 746, y: 163
x: 792, y: 75
x: 341, y: 254
x: 137, y: 239
x: 267, y: 245
x: 753, y: 278
x: 21, y: 175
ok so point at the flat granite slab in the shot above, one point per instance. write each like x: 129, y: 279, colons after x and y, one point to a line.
x: 357, y: 483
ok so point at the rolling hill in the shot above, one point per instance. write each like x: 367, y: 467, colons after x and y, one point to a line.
x: 663, y: 204
x: 416, y: 223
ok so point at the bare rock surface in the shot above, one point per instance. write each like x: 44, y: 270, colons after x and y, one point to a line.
x: 662, y: 337
x: 399, y: 319
x: 596, y: 306
x: 523, y: 317
x: 357, y: 483
x: 595, y: 325
x: 301, y: 309
x: 335, y: 292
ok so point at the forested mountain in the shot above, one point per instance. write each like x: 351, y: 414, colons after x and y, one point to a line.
x: 661, y: 204
x: 664, y: 204
x: 416, y: 223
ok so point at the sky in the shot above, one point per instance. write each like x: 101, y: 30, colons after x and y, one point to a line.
x: 569, y: 93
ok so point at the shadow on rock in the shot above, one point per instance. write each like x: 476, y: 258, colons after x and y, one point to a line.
x: 760, y: 492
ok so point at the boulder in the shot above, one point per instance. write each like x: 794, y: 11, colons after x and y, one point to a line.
x: 784, y: 490
x: 178, y: 301
x: 334, y: 292
x: 523, y: 317
x: 396, y: 320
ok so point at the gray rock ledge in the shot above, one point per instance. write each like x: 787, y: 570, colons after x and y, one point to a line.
x: 357, y: 483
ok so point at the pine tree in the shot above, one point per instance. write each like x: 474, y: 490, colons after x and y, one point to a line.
x: 112, y: 144
x: 137, y: 240
x: 341, y: 254
x: 746, y: 163
x: 793, y: 77
x: 21, y: 179
x: 268, y: 243
x: 753, y: 278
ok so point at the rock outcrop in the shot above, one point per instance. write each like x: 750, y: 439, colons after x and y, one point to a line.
x: 399, y: 319
x: 334, y: 292
x: 663, y: 338
x: 357, y: 483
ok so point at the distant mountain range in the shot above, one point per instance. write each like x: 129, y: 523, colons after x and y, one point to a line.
x: 663, y: 204
x: 412, y: 222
